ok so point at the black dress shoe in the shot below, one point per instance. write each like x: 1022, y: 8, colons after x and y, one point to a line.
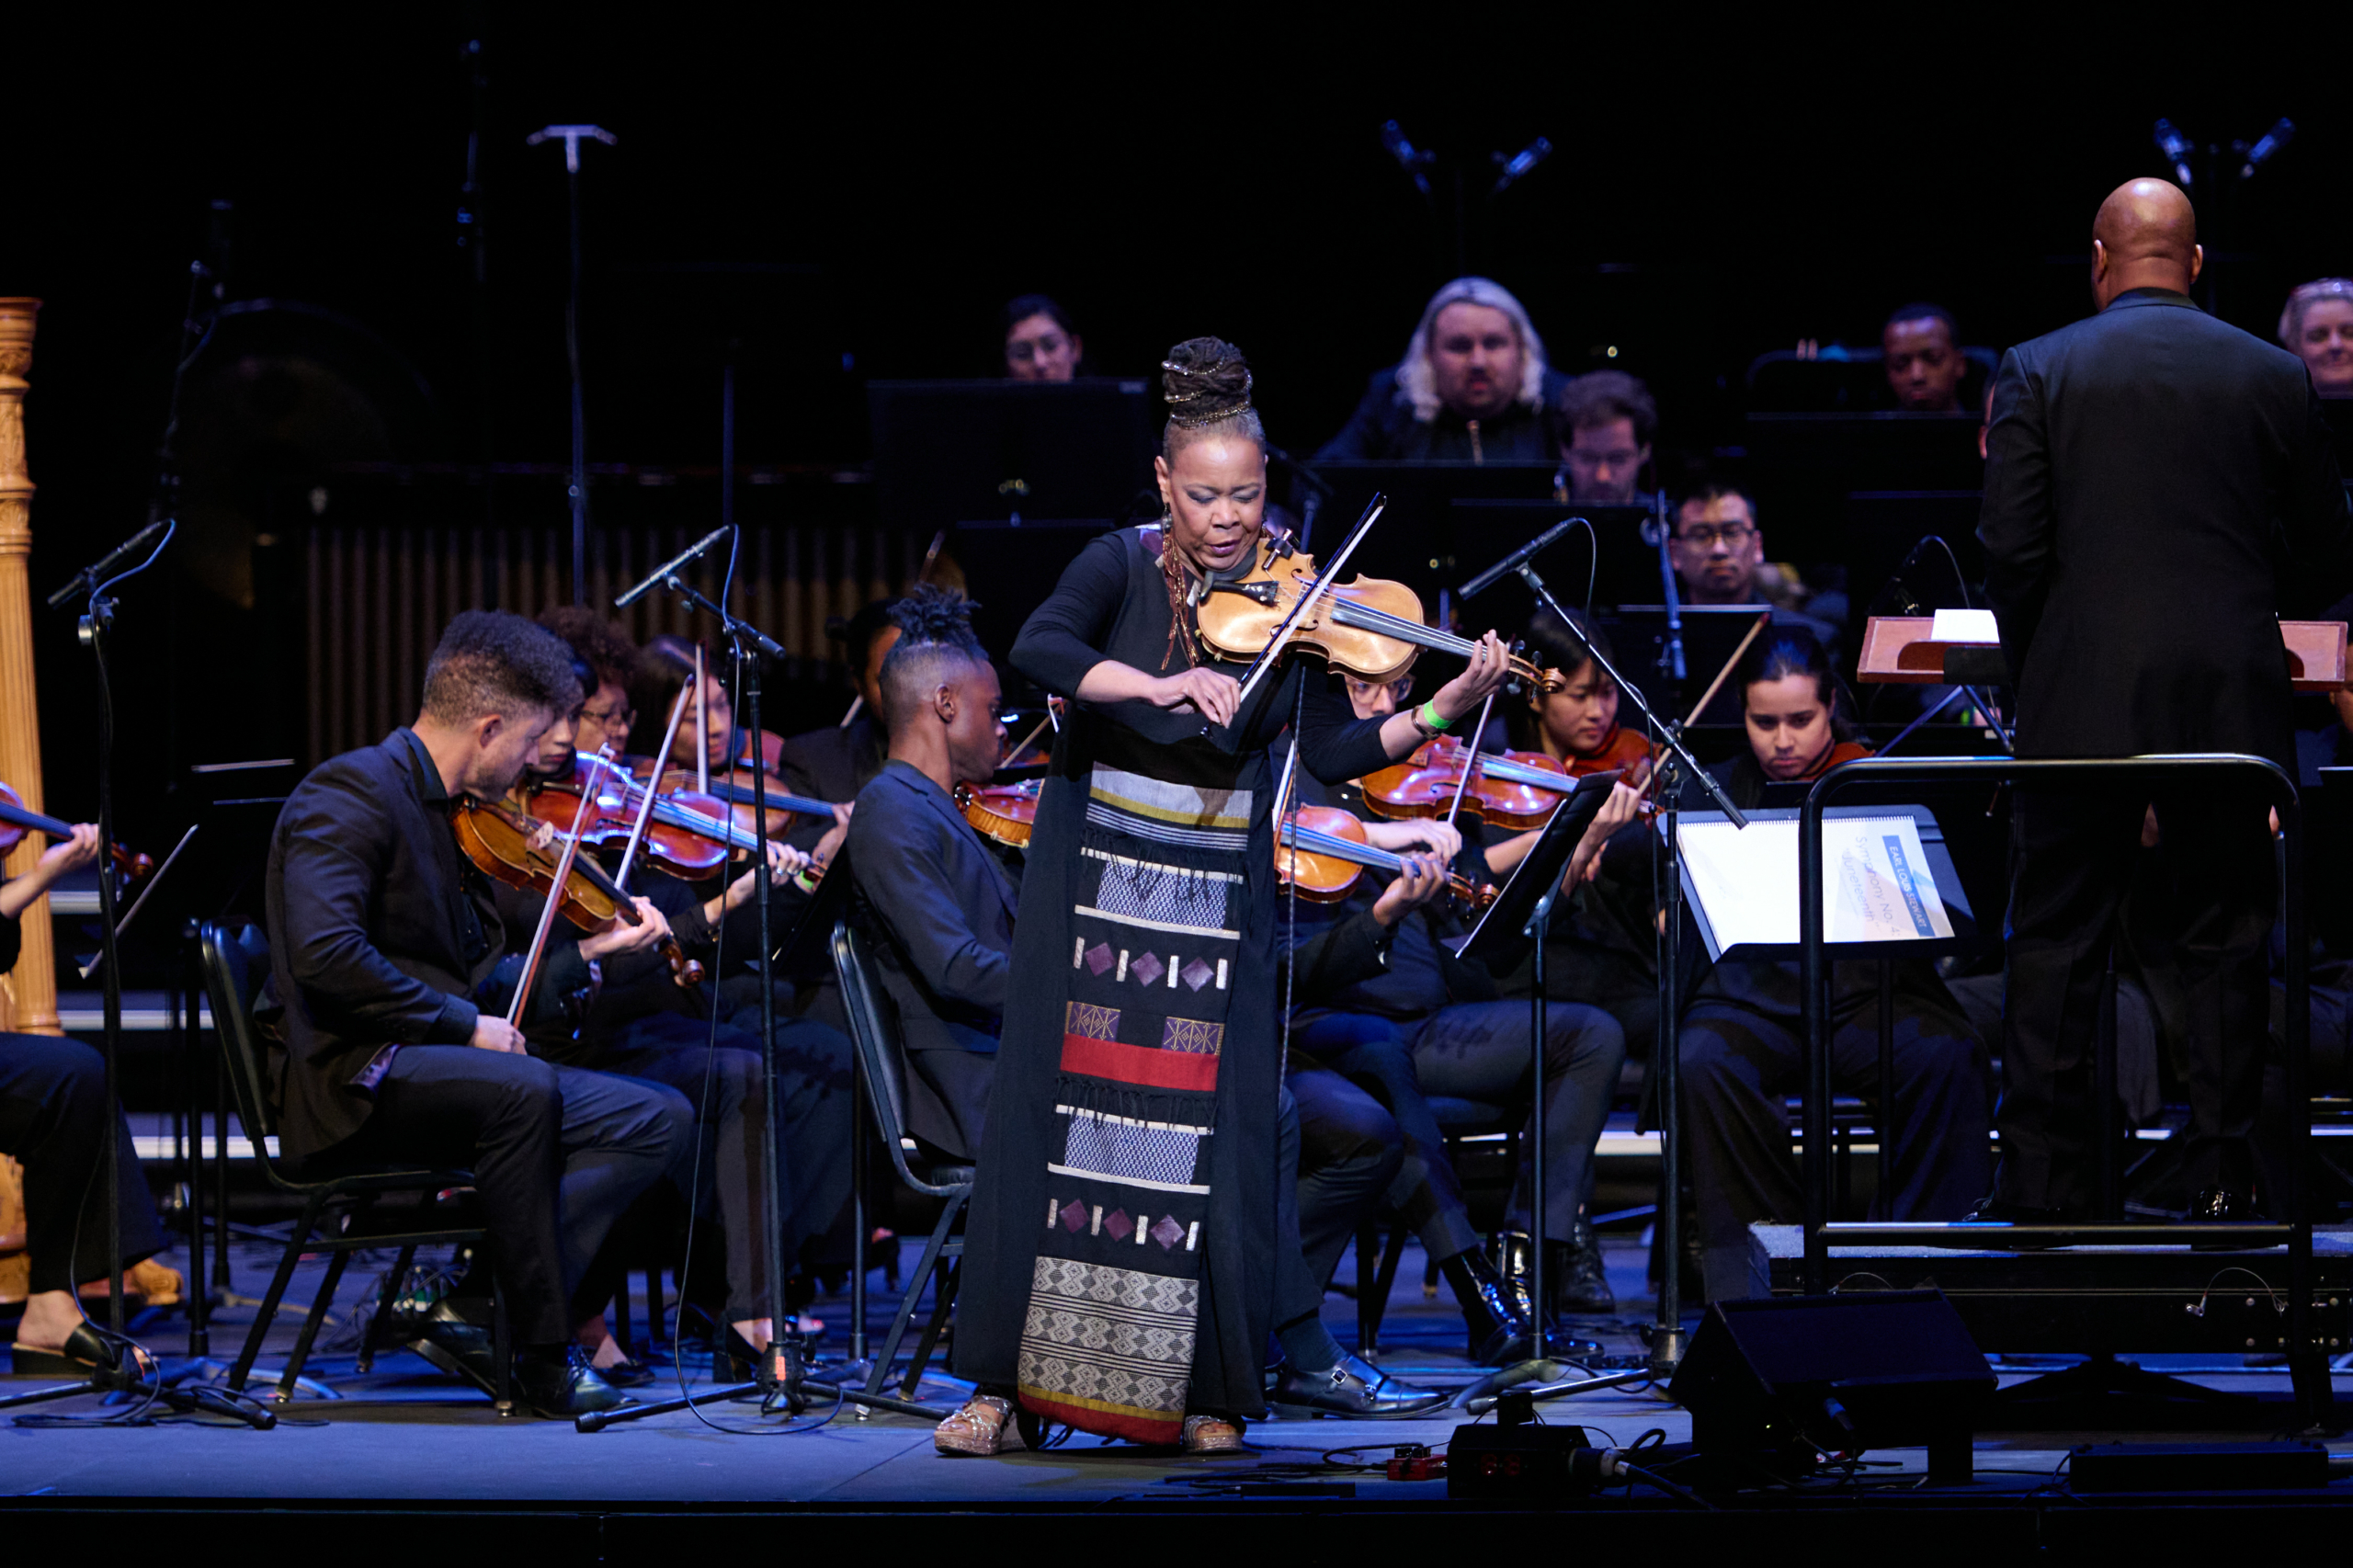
x: 458, y: 1347
x: 560, y: 1384
x: 2221, y: 1206
x: 1354, y: 1388
x: 1493, y: 1311
x: 628, y: 1372
x: 1574, y: 1275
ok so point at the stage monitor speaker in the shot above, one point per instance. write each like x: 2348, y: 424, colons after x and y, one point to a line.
x: 1837, y: 1374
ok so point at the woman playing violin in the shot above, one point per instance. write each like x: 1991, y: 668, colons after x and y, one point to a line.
x: 1741, y: 1051
x: 1145, y: 972
x: 1577, y: 722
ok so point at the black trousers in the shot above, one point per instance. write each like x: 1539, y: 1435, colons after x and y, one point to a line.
x: 557, y: 1153
x: 1342, y: 1156
x: 53, y: 1116
x: 720, y: 1168
x: 2208, y: 917
x: 1477, y: 1051
x: 1737, y: 1067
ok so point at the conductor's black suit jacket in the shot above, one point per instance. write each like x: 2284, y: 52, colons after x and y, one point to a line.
x: 2156, y: 482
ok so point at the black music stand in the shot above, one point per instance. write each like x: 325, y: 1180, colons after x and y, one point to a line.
x: 1522, y: 914
x: 949, y: 452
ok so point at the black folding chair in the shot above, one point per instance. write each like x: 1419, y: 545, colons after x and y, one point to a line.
x: 882, y: 1069
x: 234, y: 960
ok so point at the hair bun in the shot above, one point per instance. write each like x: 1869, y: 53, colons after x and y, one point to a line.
x: 931, y: 613
x: 1205, y: 380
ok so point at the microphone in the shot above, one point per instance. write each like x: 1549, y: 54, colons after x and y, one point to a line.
x: 2273, y: 140
x: 1520, y: 168
x: 90, y: 576
x: 2177, y: 149
x: 662, y: 571
x: 1409, y: 158
x: 1525, y: 553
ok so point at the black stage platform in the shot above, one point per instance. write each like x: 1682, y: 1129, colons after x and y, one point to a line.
x: 406, y: 1457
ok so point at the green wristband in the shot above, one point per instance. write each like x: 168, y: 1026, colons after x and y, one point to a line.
x: 1431, y: 721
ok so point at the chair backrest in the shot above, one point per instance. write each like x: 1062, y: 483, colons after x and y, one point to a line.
x: 881, y: 1055
x: 236, y: 959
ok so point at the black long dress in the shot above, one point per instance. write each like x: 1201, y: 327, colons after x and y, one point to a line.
x: 1119, y: 1264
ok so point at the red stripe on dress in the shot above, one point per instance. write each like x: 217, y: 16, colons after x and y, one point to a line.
x: 1140, y: 1064
x: 1157, y: 1432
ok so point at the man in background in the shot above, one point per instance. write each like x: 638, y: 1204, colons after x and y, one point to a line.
x: 1923, y: 358
x: 1472, y: 387
x: 1606, y: 420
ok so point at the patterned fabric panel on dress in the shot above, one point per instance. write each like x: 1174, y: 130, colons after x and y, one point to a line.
x: 1107, y: 1341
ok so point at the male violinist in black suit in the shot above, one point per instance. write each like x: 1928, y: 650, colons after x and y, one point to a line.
x: 2152, y: 477
x: 385, y: 940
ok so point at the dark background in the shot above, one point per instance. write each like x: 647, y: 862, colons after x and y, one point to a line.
x: 845, y: 202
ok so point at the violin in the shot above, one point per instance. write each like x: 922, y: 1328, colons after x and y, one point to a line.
x: 1370, y: 627
x: 1328, y: 853
x: 1515, y: 790
x: 1007, y: 812
x: 687, y: 834
x: 506, y: 846
x: 16, y: 822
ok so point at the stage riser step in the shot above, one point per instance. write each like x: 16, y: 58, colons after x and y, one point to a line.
x: 2081, y: 1301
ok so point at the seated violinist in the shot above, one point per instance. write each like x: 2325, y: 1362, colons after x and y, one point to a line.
x: 939, y: 901
x: 1600, y: 950
x: 1388, y: 1010
x: 1741, y: 1050
x: 630, y: 1015
x: 385, y: 947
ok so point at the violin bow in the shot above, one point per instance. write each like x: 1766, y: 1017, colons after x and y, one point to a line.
x: 1272, y: 653
x: 1027, y: 741
x: 645, y: 812
x: 547, y: 913
x: 1470, y: 758
x: 702, y: 728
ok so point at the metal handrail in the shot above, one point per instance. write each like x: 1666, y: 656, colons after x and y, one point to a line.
x: 2297, y: 1231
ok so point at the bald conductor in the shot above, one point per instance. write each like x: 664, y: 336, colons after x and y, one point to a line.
x: 2154, y: 480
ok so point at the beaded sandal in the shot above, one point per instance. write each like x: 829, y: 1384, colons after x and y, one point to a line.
x: 978, y: 1428
x: 1213, y: 1435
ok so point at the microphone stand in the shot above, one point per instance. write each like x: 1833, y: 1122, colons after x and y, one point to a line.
x: 1666, y: 1339
x: 1670, y: 595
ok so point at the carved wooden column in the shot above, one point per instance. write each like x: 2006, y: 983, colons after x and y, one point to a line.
x: 28, y: 995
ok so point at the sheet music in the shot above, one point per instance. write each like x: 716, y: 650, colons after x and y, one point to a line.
x: 1879, y: 887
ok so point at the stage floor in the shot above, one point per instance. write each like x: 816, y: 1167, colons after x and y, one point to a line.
x: 405, y: 1437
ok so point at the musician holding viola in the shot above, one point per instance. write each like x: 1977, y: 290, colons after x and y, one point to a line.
x: 629, y: 1015
x: 1741, y: 1046
x: 1601, y: 950
x: 54, y: 1111
x: 1138, y: 1079
x: 1387, y: 1010
x: 385, y: 944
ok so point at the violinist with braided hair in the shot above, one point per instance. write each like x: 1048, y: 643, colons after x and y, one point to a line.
x: 1123, y: 1261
